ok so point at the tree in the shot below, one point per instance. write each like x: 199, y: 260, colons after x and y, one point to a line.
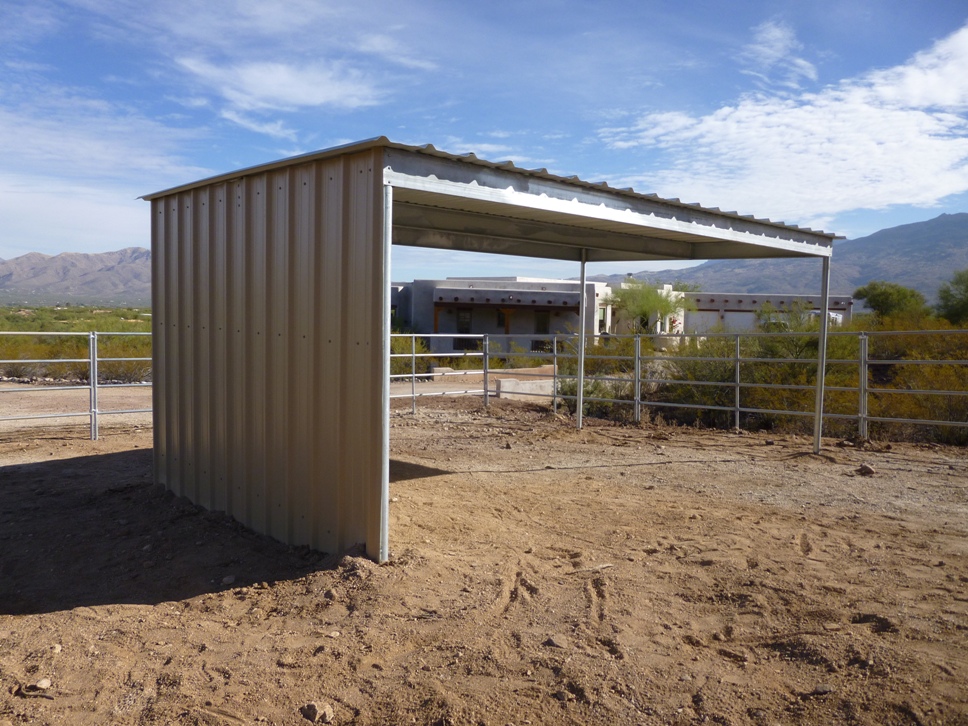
x: 953, y: 299
x: 888, y: 299
x: 640, y: 304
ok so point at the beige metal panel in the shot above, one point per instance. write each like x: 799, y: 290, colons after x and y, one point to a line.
x: 268, y: 348
x: 159, y: 346
x: 330, y: 295
x: 215, y: 481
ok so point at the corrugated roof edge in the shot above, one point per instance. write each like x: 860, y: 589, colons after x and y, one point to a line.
x: 431, y: 150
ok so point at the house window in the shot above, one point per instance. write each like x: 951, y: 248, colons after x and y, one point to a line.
x: 542, y: 322
x: 464, y: 328
x: 502, y: 319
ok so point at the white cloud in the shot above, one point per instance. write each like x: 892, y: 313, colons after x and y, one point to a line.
x: 393, y: 51
x: 276, y: 129
x: 70, y: 136
x: 26, y: 22
x: 894, y: 136
x: 773, y: 52
x: 47, y: 215
x: 262, y: 86
x: 73, y: 167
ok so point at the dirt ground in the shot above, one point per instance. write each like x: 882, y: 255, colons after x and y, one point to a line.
x: 538, y: 575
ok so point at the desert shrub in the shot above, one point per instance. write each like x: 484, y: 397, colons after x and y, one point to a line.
x: 693, y: 362
x: 124, y: 346
x: 609, y: 399
x: 407, y: 345
x: 71, y: 348
x: 15, y: 350
x: 506, y: 355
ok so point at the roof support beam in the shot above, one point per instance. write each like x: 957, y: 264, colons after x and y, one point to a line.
x: 464, y: 241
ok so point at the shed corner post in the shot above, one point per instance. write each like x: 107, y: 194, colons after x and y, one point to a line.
x: 383, y: 550
x: 582, y: 313
x: 822, y: 354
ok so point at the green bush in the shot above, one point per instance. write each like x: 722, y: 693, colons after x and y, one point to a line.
x: 73, y: 350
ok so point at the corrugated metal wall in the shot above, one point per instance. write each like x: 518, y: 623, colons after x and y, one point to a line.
x: 268, y: 322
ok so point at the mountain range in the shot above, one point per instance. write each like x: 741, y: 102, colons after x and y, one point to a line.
x: 114, y: 279
x: 921, y: 255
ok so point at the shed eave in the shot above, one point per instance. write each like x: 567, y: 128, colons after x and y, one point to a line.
x: 426, y: 160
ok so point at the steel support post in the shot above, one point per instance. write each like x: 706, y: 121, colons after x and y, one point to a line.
x: 413, y: 374
x: 862, y: 387
x: 638, y: 379
x: 93, y: 373
x: 484, y: 348
x: 822, y: 354
x: 383, y: 551
x: 736, y: 382
x: 580, y: 402
x: 554, y: 363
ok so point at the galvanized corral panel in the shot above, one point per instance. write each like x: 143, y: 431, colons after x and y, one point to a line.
x: 268, y: 323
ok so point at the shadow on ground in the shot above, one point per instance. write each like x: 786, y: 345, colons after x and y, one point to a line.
x: 405, y: 471
x: 95, y: 530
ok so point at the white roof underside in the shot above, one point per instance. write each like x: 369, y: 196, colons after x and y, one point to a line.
x: 445, y: 201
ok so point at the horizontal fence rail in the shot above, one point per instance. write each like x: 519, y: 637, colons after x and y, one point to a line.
x: 95, y: 360
x: 739, y: 374
x: 916, y: 378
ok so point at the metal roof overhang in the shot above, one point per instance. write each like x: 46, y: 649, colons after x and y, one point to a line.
x: 461, y: 202
x: 449, y: 203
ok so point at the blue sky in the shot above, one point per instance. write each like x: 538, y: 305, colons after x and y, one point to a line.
x: 847, y: 116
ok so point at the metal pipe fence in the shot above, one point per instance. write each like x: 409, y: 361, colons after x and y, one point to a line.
x: 753, y: 373
x: 92, y: 370
x: 915, y: 378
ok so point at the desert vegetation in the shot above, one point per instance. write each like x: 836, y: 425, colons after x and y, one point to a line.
x: 61, y: 351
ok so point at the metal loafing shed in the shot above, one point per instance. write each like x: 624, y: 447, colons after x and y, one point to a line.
x: 270, y: 295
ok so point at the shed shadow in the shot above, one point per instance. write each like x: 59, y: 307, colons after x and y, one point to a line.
x: 96, y: 530
x: 405, y: 471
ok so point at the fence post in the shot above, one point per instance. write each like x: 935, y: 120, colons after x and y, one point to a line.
x: 862, y: 387
x: 486, y: 348
x: 554, y: 364
x: 736, y: 381
x: 638, y: 378
x: 92, y: 380
x: 413, y: 374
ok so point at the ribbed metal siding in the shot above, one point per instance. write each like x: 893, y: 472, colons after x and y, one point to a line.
x: 268, y: 302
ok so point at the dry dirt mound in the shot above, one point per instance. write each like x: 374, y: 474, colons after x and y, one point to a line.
x: 542, y: 575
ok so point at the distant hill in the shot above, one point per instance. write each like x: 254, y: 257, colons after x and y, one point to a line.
x: 920, y: 255
x: 116, y: 279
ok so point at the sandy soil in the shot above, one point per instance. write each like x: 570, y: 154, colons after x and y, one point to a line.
x: 539, y: 575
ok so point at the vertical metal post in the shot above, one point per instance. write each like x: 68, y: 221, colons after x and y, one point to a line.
x: 580, y: 402
x: 822, y: 354
x: 638, y: 379
x: 485, y: 350
x: 93, y: 374
x: 413, y: 373
x: 862, y: 388
x: 383, y: 552
x: 554, y: 372
x: 736, y: 381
